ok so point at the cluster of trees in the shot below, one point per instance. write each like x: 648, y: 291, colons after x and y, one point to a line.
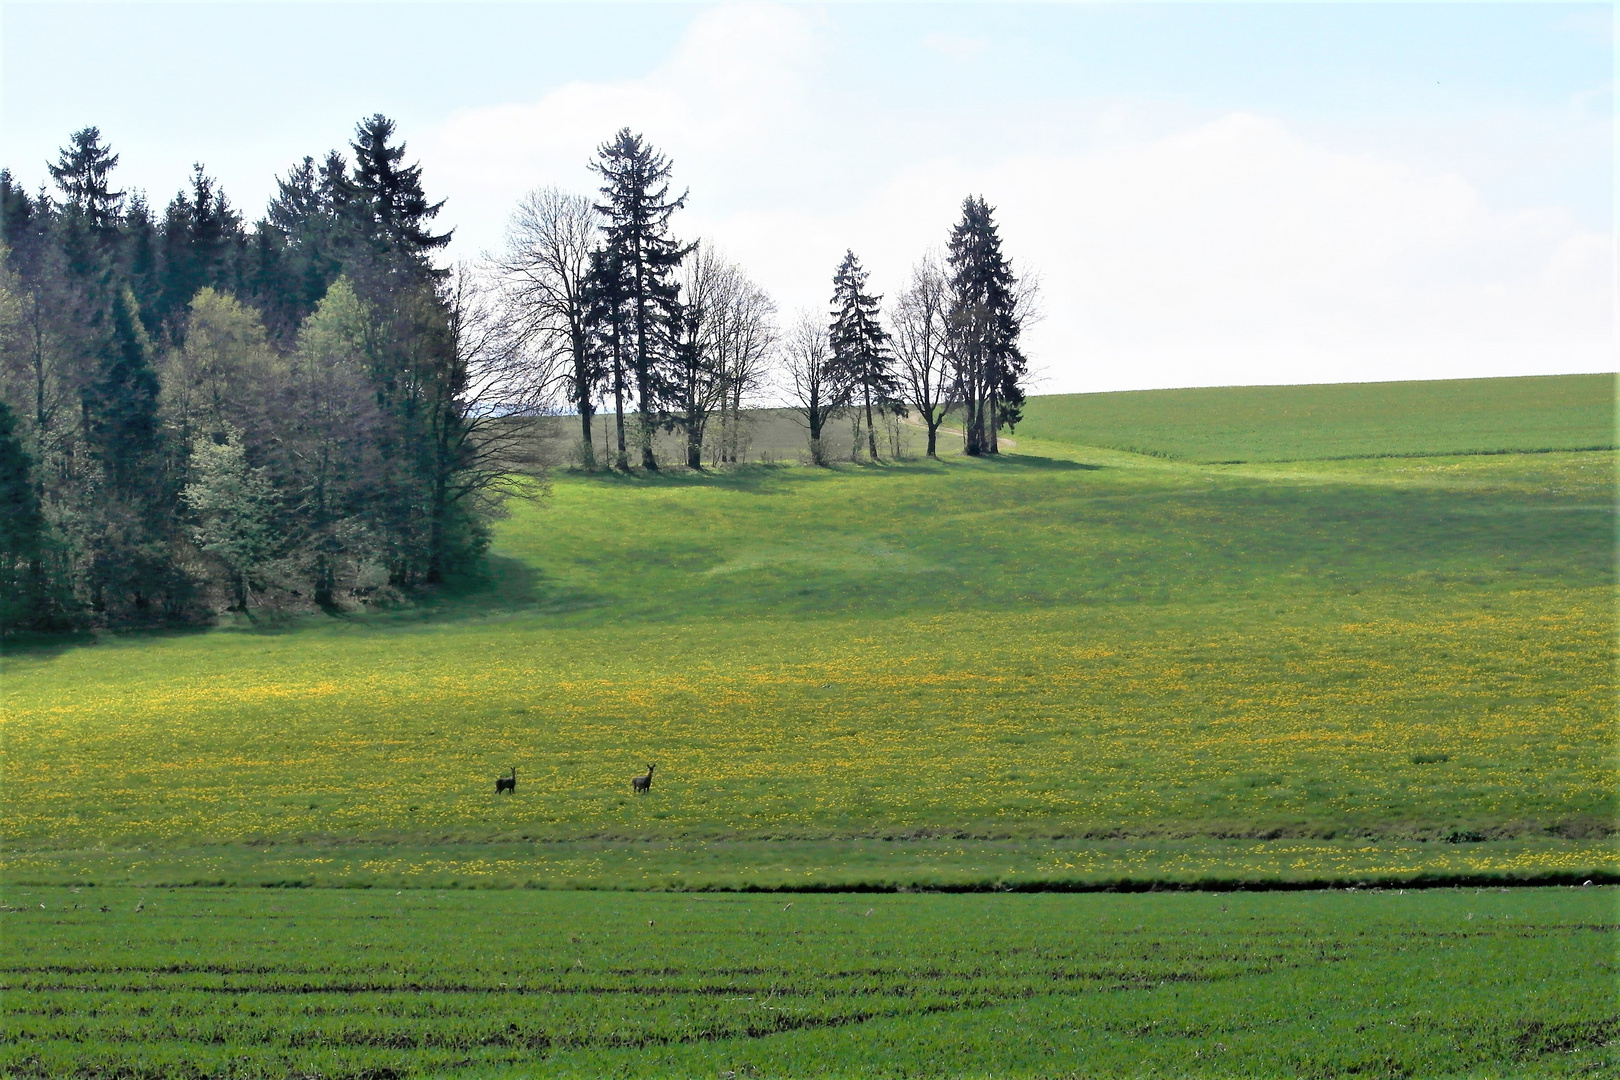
x: 674, y: 336
x: 196, y: 414
x: 670, y: 335
x: 951, y: 347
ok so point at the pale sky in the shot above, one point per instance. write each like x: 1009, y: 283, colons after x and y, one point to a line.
x: 1211, y: 194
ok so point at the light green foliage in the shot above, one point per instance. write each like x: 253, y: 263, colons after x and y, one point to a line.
x: 350, y: 983
x: 234, y: 508
x: 1286, y: 423
x: 224, y: 375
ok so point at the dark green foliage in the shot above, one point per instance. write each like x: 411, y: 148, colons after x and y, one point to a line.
x: 392, y: 192
x: 83, y: 171
x: 105, y: 388
x: 202, y: 247
x: 985, y: 324
x: 22, y: 532
x: 121, y: 407
x: 607, y: 318
x: 859, y: 346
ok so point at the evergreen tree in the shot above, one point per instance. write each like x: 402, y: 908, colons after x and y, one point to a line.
x: 304, y: 241
x: 638, y: 208
x: 22, y: 532
x: 392, y: 191
x: 141, y: 262
x: 83, y: 172
x: 984, y: 327
x: 125, y: 514
x: 606, y: 315
x: 201, y: 236
x: 859, y: 345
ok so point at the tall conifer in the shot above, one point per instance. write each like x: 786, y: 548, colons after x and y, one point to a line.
x: 985, y: 325
x: 637, y: 209
x: 859, y: 345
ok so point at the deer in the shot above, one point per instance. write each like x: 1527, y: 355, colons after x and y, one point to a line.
x: 639, y: 784
x: 507, y: 784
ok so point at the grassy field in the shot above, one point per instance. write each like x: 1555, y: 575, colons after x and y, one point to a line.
x: 1073, y: 668
x: 1072, y: 664
x: 373, y: 983
x: 1352, y: 420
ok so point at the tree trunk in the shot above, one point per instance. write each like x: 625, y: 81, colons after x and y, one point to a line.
x: 871, y: 433
x: 933, y: 432
x: 991, y: 444
x: 618, y: 405
x: 587, y: 448
x: 817, y: 457
x: 694, y: 446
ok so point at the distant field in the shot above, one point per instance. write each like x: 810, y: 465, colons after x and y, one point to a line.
x: 372, y: 983
x: 1287, y: 423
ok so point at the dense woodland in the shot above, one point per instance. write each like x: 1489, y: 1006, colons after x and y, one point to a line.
x: 198, y: 415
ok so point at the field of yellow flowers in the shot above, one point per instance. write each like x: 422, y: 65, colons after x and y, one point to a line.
x: 1317, y: 669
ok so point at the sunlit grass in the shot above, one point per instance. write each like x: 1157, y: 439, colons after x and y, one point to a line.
x: 1064, y: 644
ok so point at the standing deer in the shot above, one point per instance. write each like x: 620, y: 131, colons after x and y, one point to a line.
x: 642, y: 783
x: 507, y: 784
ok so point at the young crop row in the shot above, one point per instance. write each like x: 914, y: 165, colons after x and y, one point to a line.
x: 339, y: 983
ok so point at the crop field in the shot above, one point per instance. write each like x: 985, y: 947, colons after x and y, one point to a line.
x: 1361, y: 420
x: 351, y: 983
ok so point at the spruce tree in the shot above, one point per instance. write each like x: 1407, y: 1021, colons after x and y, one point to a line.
x: 201, y: 237
x: 984, y: 326
x: 859, y: 345
x: 83, y: 172
x: 607, y: 316
x: 393, y: 193
x: 22, y: 531
x: 121, y: 405
x: 638, y: 208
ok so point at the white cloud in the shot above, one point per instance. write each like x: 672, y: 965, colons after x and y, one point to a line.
x: 1230, y: 250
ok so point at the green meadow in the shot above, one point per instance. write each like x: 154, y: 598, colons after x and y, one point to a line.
x: 1068, y: 665
x: 901, y: 714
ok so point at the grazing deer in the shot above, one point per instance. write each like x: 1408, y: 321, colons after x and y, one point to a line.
x: 507, y: 784
x: 642, y: 783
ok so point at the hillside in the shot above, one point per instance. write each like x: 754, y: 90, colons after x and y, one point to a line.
x: 1072, y: 664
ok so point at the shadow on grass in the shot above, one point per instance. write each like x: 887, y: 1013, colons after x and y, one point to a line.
x: 497, y: 586
x: 1044, y: 464
x: 47, y: 646
x: 775, y: 478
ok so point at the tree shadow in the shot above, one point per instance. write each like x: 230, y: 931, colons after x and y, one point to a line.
x: 1046, y: 464
x: 498, y: 585
x: 755, y: 478
x: 33, y: 646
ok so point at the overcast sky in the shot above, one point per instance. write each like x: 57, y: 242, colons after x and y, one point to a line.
x: 1210, y: 194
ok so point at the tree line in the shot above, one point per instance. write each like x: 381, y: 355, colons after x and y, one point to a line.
x: 197, y: 414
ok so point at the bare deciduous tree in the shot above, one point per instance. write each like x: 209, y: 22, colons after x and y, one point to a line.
x: 816, y: 385
x: 504, y: 379
x: 921, y: 337
x: 728, y: 329
x: 547, y: 267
